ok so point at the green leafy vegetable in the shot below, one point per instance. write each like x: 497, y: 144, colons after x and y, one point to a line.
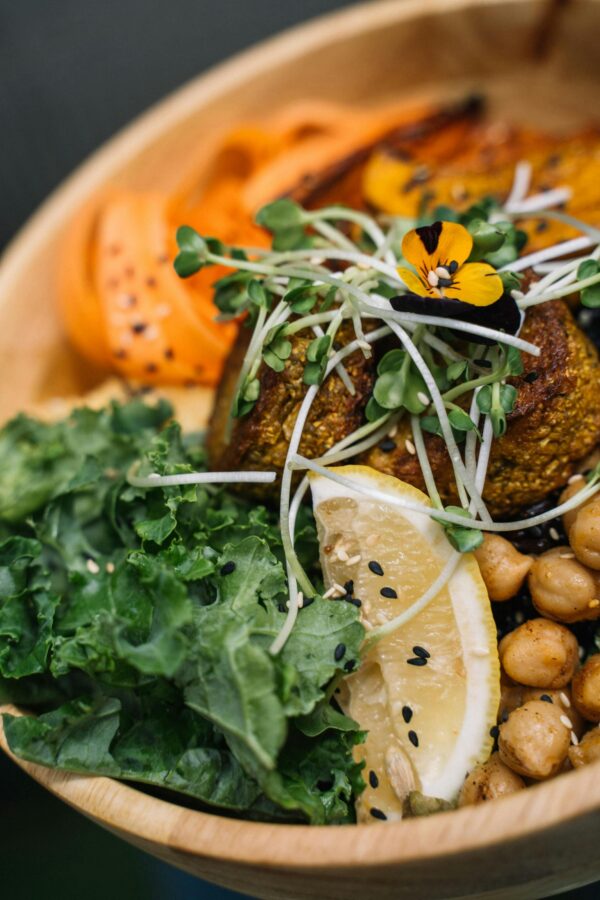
x: 138, y: 623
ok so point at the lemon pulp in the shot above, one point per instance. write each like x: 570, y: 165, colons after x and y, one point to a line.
x: 428, y: 692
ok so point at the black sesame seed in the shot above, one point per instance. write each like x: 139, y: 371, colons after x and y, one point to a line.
x: 375, y: 567
x: 169, y: 353
x: 373, y: 779
x: 494, y: 731
x: 407, y: 714
x: 413, y: 738
x: 307, y: 602
x: 349, y: 665
x: 378, y: 814
x: 483, y: 363
x: 422, y: 652
x: 452, y: 267
x: 339, y: 652
x: 151, y: 368
x: 531, y: 377
x: 228, y: 568
x: 417, y: 661
x: 355, y: 602
x: 387, y: 445
x: 546, y: 698
x: 504, y: 716
x: 138, y: 327
x: 389, y: 592
x: 349, y: 587
x: 541, y: 226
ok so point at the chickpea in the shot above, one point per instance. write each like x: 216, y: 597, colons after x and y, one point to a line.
x: 571, y: 489
x: 533, y: 741
x: 503, y: 568
x: 584, y: 534
x: 489, y: 781
x: 562, y: 700
x: 586, y: 689
x: 588, y: 751
x: 562, y: 589
x: 539, y: 653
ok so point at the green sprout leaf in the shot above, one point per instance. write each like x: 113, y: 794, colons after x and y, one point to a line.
x: 462, y: 539
x: 280, y: 215
x: 389, y: 390
x: 257, y: 294
x: 460, y: 420
x: 590, y: 296
x: 192, y: 252
x: 587, y: 269
x: 314, y: 372
x: 456, y: 370
x: 318, y: 349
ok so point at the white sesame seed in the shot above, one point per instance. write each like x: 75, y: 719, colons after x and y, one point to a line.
x: 481, y: 651
x: 442, y: 272
x: 564, y: 699
x: 300, y: 600
x: 342, y: 555
x: 339, y: 589
x: 566, y: 721
x: 393, y: 431
x: 329, y: 593
x: 410, y: 446
x: 566, y: 556
x: 367, y: 625
x: 554, y: 534
x: 354, y: 559
x: 574, y: 738
x: 519, y: 617
x: 364, y: 267
x: 432, y: 278
x: 163, y: 310
x: 575, y: 478
x: 423, y: 398
x: 151, y: 333
x: 92, y: 566
x: 316, y: 260
x: 110, y: 567
x: 371, y: 540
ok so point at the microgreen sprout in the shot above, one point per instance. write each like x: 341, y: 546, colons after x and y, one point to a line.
x: 325, y: 291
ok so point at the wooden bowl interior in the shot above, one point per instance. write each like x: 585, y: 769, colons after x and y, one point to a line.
x: 533, y: 843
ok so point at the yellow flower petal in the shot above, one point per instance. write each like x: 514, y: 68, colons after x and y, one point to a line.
x: 413, y: 282
x: 477, y: 284
x: 437, y: 245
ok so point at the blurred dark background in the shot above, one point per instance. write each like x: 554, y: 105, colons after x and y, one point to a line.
x: 72, y: 72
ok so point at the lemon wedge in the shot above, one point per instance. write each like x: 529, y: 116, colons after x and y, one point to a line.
x: 427, y: 692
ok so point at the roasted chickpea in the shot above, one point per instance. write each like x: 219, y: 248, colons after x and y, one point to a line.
x: 571, y: 489
x: 489, y: 781
x: 539, y: 653
x: 587, y: 751
x: 584, y: 534
x: 586, y: 689
x: 533, y: 741
x: 562, y: 700
x: 503, y: 568
x: 562, y: 588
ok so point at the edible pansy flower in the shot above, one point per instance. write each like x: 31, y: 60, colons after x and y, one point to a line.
x: 449, y: 286
x: 439, y: 253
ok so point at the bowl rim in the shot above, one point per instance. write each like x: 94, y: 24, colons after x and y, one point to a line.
x: 133, y: 813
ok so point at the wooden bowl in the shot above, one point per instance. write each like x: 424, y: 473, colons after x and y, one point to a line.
x: 535, y: 65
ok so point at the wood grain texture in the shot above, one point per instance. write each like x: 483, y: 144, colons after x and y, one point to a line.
x: 531, y: 844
